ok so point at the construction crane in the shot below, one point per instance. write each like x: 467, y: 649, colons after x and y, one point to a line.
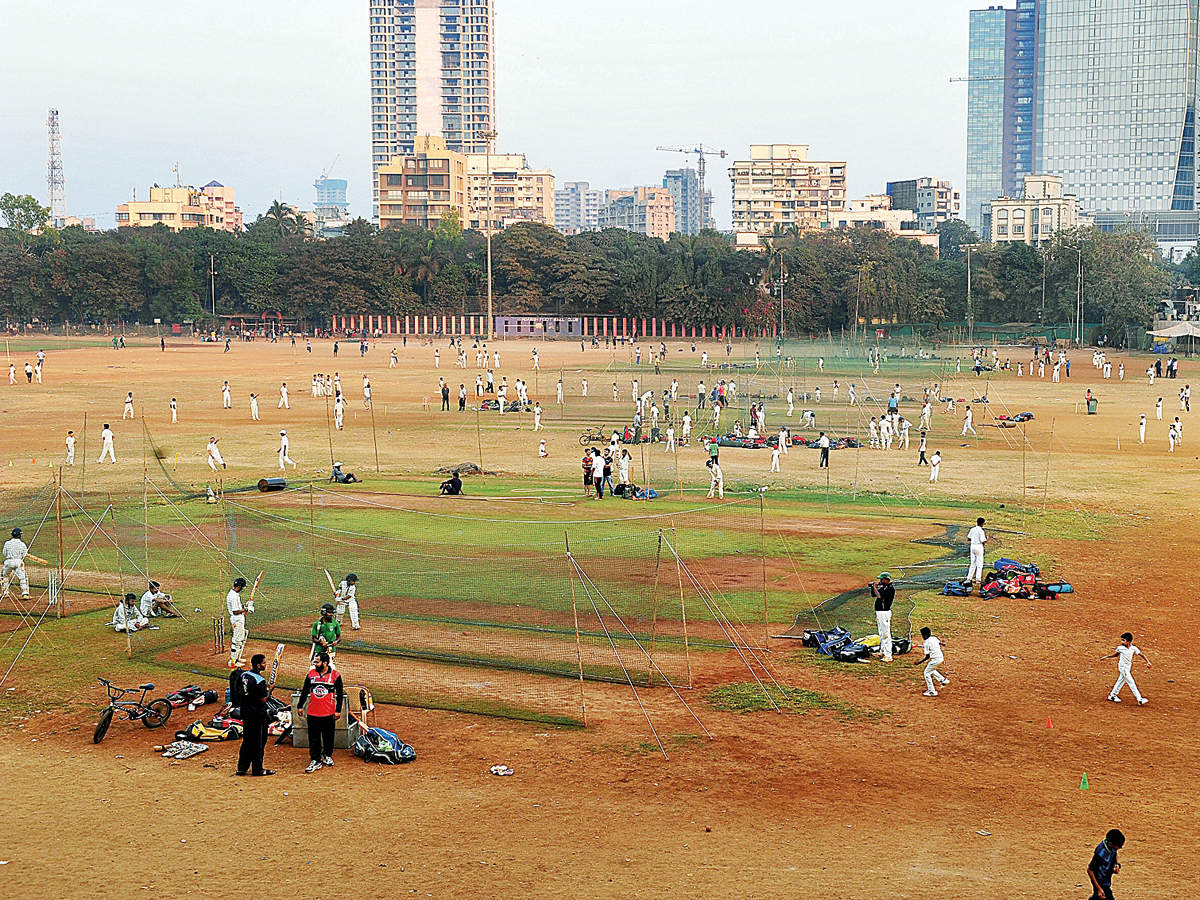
x: 701, y: 165
x: 329, y: 168
x: 970, y: 78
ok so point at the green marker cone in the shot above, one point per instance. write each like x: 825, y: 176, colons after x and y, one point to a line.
x: 1083, y: 784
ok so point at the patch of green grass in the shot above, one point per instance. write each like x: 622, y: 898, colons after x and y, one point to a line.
x: 748, y: 696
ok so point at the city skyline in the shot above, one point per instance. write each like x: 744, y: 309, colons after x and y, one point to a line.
x: 578, y: 91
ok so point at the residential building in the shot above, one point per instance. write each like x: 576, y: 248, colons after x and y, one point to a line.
x: 432, y: 73
x: 223, y: 198
x: 331, y: 211
x: 1116, y: 101
x: 780, y: 185
x: 933, y: 201
x: 423, y: 187
x: 646, y: 210
x: 577, y: 207
x: 515, y: 193
x: 877, y: 211
x: 183, y: 207
x: 1001, y: 92
x: 1036, y: 213
x: 692, y: 213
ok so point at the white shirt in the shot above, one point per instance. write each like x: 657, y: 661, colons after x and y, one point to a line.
x: 823, y: 443
x: 977, y: 537
x: 148, y: 599
x: 1125, y: 657
x: 124, y: 616
x: 345, y: 591
x: 106, y: 435
x: 597, y: 465
x: 71, y: 441
x: 233, y: 602
x: 935, y: 460
x: 15, y: 549
x: 933, y: 649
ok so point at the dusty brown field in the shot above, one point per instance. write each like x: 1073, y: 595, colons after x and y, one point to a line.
x: 864, y: 806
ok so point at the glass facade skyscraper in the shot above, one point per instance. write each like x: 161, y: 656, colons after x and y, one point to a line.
x: 987, y: 89
x: 1117, y: 109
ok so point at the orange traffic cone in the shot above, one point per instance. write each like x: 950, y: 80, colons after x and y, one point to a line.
x: 1049, y: 724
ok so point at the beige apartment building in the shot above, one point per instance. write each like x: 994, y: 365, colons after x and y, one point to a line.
x: 516, y: 193
x: 1035, y: 216
x: 780, y: 185
x: 646, y: 210
x: 875, y: 211
x: 419, y: 189
x: 180, y: 207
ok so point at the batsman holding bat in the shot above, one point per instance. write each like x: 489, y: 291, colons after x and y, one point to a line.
x: 15, y: 554
x: 326, y: 634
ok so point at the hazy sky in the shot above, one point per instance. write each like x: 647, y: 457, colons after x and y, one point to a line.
x: 265, y: 94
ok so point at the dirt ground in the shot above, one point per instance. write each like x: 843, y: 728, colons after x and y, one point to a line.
x: 972, y: 794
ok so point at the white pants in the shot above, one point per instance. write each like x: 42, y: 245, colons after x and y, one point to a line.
x: 284, y: 458
x: 215, y: 460
x: 932, y: 673
x: 718, y: 486
x: 968, y: 427
x: 883, y: 622
x: 1126, y: 678
x: 17, y: 567
x: 237, y: 644
x: 254, y: 412
x: 128, y: 413
x: 975, y: 569
x: 174, y: 416
x: 225, y: 401
x: 774, y: 463
x: 107, y: 450
x: 352, y: 608
x: 934, y: 472
x: 71, y: 457
x: 283, y: 402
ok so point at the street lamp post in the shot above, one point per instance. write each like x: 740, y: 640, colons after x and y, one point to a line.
x: 1079, y: 294
x: 970, y: 306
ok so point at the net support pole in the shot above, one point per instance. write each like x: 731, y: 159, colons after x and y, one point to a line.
x: 83, y: 472
x: 328, y: 430
x: 575, y: 619
x: 762, y: 537
x: 374, y: 439
x: 687, y: 656
x: 1049, y: 450
x: 479, y: 439
x: 120, y: 578
x: 654, y: 611
x: 58, y: 611
x: 312, y: 540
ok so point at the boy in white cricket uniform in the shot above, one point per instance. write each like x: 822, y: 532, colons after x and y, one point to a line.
x: 932, y: 659
x: 226, y: 399
x: 283, y: 397
x: 174, y: 411
x: 686, y: 433
x: 775, y: 458
x: 790, y: 402
x: 1142, y: 429
x: 978, y: 538
x: 284, y: 445
x: 347, y: 599
x: 339, y: 411
x: 254, y: 407
x: 70, y: 442
x: 15, y: 551
x: 127, y: 413
x: 1124, y: 655
x: 537, y: 416
x: 214, y: 455
x: 127, y: 617
x: 967, y: 420
x: 237, y: 620
x: 106, y: 445
x: 935, y: 466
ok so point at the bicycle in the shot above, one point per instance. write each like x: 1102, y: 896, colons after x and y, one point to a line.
x: 594, y: 435
x: 153, y: 714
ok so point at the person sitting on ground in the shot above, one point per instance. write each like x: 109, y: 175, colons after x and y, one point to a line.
x: 341, y: 477
x: 156, y: 603
x: 452, y: 486
x: 127, y: 616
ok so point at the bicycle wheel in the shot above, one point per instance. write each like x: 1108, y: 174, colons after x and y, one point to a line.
x: 584, y: 439
x: 102, y: 726
x: 156, y: 714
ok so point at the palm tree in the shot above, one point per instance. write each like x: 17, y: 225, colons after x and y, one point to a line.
x: 285, y: 219
x: 425, y: 268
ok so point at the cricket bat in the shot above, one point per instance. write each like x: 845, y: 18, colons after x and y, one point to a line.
x: 37, y: 559
x: 253, y: 589
x: 274, y: 669
x: 341, y: 604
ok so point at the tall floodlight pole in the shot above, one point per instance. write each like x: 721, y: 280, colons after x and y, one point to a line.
x: 489, y: 136
x: 56, y: 183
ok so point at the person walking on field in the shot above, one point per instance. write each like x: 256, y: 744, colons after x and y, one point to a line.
x: 823, y: 444
x: 978, y: 538
x: 1104, y: 865
x: 127, y: 413
x: 967, y: 420
x: 325, y: 695
x: 339, y: 411
x: 106, y: 445
x: 884, y: 593
x: 254, y: 407
x: 70, y: 442
x: 284, y: 446
x: 537, y: 416
x: 932, y: 659
x: 283, y: 397
x: 1124, y: 655
x: 775, y: 458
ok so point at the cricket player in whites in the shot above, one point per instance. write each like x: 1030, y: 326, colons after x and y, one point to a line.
x: 346, y: 598
x: 15, y: 552
x: 978, y: 538
x: 237, y: 620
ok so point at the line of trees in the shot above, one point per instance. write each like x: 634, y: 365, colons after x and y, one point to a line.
x: 827, y: 278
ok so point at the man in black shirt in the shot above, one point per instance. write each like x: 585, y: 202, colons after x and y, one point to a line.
x: 884, y: 593
x: 254, y: 719
x: 452, y: 486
